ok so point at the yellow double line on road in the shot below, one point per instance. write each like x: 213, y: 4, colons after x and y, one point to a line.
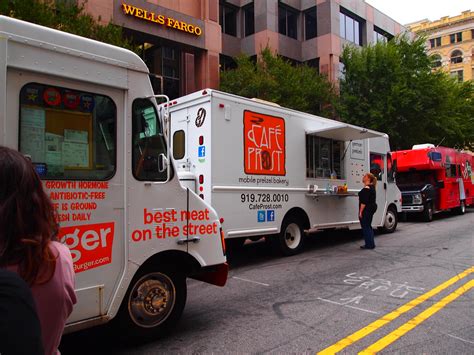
x: 393, y: 336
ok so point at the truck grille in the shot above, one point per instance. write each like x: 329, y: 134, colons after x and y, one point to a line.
x: 407, y: 199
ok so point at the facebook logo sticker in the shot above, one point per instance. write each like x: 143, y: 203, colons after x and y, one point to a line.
x: 202, y: 151
x: 261, y: 216
x: 270, y: 216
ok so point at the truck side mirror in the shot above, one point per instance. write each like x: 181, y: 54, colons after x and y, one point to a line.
x: 162, y: 163
x: 440, y: 184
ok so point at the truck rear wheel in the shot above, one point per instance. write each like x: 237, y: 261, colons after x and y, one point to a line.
x: 291, y: 237
x: 391, y: 221
x: 428, y: 212
x: 461, y: 209
x: 153, y: 305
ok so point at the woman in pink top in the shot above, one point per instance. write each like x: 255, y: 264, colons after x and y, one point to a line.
x: 28, y: 245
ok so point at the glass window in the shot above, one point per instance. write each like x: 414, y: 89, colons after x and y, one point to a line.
x: 377, y: 165
x: 436, y: 60
x: 458, y: 75
x: 350, y: 27
x: 249, y: 20
x: 147, y: 142
x: 381, y: 35
x: 69, y: 134
x: 435, y: 42
x: 228, y: 19
x: 324, y: 158
x: 456, y: 57
x: 310, y: 24
x: 179, y: 144
x: 455, y: 37
x: 342, y: 25
x: 287, y: 21
x: 391, y: 168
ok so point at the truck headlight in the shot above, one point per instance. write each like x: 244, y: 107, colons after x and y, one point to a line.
x: 417, y: 199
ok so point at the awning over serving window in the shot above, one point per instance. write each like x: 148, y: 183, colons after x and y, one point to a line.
x: 345, y: 132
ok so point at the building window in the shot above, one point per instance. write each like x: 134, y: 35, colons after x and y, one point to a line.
x: 287, y: 21
x: 381, y: 35
x: 350, y: 28
x: 455, y: 37
x: 324, y: 158
x: 377, y: 165
x: 226, y: 62
x: 68, y: 134
x: 436, y: 58
x: 435, y: 42
x: 310, y: 24
x: 458, y: 74
x: 228, y: 19
x: 313, y: 63
x: 249, y: 20
x: 456, y: 57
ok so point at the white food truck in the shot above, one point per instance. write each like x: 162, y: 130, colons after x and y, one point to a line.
x: 86, y: 115
x: 275, y: 172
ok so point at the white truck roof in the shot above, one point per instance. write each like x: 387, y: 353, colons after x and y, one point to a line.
x: 62, y: 42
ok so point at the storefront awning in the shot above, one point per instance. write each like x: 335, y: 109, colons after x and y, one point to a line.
x: 345, y: 132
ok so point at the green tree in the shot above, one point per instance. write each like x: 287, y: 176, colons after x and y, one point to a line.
x: 274, y: 79
x: 65, y: 16
x: 391, y: 87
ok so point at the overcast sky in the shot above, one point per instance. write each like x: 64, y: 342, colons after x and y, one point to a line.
x: 406, y: 11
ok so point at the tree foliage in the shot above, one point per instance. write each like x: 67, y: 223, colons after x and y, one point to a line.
x: 65, y: 16
x: 274, y: 79
x: 391, y: 87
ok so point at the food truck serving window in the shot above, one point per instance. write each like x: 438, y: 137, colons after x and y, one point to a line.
x: 68, y: 134
x: 148, y: 142
x: 324, y: 157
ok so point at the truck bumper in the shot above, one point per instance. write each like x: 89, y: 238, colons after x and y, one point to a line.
x: 418, y: 208
x: 215, y: 275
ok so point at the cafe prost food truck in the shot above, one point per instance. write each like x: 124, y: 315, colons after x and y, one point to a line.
x: 85, y: 114
x: 434, y: 179
x: 275, y: 172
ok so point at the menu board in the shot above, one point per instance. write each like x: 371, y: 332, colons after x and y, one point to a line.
x: 32, y: 133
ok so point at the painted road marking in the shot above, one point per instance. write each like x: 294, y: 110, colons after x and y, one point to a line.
x: 461, y: 339
x: 372, y: 327
x: 348, y: 305
x: 254, y: 282
x: 417, y: 320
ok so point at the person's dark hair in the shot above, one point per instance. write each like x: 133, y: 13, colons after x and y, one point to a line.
x: 27, y: 219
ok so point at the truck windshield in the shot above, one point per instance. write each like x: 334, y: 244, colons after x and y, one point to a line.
x: 416, y: 178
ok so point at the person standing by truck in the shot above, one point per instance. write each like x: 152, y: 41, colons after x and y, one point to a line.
x: 367, y: 209
x: 28, y: 245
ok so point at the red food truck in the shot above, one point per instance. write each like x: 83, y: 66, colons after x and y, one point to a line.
x: 434, y: 179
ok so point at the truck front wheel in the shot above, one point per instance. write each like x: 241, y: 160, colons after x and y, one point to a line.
x: 153, y: 305
x: 428, y: 212
x: 391, y: 220
x: 291, y: 237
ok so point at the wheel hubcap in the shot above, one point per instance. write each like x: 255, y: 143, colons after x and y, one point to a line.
x: 390, y: 220
x: 152, y: 299
x: 292, y: 236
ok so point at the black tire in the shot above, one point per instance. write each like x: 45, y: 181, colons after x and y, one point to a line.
x: 291, y: 238
x: 390, y: 221
x: 149, y: 292
x: 461, y: 209
x: 428, y: 212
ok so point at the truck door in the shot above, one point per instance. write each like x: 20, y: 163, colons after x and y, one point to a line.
x: 70, y: 130
x: 377, y: 167
x: 157, y: 204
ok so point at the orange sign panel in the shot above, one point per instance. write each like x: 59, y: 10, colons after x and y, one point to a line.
x: 264, y: 144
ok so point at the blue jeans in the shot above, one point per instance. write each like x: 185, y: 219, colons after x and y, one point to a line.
x: 367, y: 231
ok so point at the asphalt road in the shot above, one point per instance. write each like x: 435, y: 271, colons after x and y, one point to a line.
x: 309, y: 302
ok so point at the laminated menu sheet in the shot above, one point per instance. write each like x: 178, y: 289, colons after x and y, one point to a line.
x: 75, y: 155
x: 33, y: 133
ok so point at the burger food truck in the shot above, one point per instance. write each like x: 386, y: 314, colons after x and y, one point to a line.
x: 434, y: 179
x: 84, y: 112
x: 275, y: 172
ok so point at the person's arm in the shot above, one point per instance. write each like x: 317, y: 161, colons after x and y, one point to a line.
x: 361, y: 210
